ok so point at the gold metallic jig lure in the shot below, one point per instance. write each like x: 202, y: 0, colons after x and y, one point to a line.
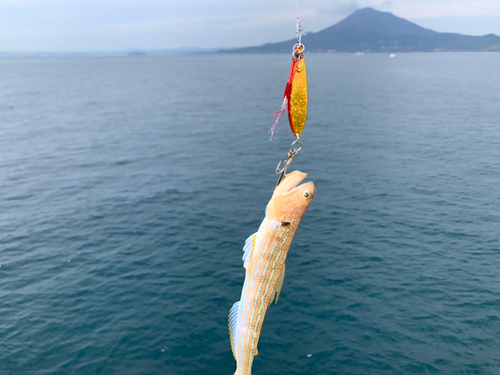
x: 295, y: 97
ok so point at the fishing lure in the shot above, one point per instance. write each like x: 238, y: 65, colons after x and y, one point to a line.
x: 295, y: 97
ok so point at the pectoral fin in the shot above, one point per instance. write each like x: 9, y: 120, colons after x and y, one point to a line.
x: 248, y: 249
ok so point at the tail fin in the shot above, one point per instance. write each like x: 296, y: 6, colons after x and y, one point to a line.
x: 233, y: 330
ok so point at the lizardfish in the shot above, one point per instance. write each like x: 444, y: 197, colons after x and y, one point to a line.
x: 264, y: 259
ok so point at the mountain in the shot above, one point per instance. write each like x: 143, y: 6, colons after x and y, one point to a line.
x: 368, y: 30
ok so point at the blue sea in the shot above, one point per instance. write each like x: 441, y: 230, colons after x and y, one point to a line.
x: 128, y: 186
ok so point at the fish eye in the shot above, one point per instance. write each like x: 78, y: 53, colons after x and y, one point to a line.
x: 306, y: 194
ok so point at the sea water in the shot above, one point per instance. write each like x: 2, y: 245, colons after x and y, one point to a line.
x: 128, y: 186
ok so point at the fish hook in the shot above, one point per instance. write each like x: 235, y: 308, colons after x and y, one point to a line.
x: 289, y: 158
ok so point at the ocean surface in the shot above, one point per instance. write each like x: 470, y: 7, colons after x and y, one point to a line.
x: 128, y: 186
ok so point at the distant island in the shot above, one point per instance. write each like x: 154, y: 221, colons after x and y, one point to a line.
x: 369, y: 30
x: 129, y: 52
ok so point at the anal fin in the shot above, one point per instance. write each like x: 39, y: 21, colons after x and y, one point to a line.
x: 279, y: 284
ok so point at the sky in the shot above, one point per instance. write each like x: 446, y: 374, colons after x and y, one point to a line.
x: 113, y: 25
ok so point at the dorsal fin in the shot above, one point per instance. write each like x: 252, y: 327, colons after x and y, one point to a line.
x: 233, y: 328
x: 248, y: 248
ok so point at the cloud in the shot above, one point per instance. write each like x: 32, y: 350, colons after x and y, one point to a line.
x: 112, y: 24
x: 346, y: 7
x: 386, y: 5
x: 234, y: 21
x: 460, y: 8
x: 419, y: 9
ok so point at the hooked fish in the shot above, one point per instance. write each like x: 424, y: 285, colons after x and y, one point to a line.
x: 264, y: 258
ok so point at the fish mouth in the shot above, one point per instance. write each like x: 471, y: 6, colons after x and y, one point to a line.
x: 290, y: 183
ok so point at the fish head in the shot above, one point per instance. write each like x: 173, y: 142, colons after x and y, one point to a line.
x: 290, y: 199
